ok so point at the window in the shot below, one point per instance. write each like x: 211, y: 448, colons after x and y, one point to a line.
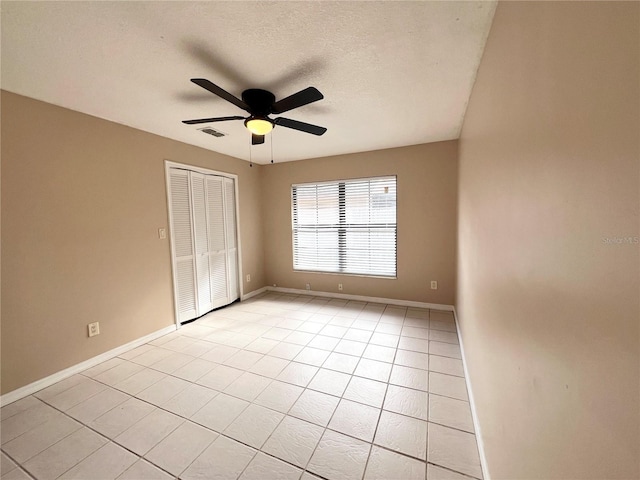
x: 346, y: 226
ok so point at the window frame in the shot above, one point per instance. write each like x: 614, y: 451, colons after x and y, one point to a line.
x: 341, y: 258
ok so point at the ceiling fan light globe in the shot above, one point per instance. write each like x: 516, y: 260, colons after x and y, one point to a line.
x: 259, y: 126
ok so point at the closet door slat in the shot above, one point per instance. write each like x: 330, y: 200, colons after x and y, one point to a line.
x: 183, y: 245
x: 201, y: 244
x: 217, y: 235
x: 232, y: 241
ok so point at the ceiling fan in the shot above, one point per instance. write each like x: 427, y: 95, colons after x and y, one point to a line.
x: 260, y: 104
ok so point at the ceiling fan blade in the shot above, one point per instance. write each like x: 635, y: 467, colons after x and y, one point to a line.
x: 303, y: 127
x: 214, y: 119
x: 303, y: 97
x: 213, y: 88
x: 257, y: 139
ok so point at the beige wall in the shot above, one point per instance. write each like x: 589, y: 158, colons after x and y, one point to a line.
x: 549, y: 167
x: 426, y: 216
x: 82, y: 201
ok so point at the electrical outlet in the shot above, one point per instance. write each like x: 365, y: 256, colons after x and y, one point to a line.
x: 340, y: 286
x: 308, y: 286
x: 94, y: 329
x: 248, y: 277
x: 434, y: 285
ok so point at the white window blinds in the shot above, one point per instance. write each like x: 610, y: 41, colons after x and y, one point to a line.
x: 346, y: 226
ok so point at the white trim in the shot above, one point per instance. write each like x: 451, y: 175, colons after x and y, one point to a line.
x: 253, y: 294
x: 238, y: 239
x: 38, y: 385
x: 204, y: 171
x: 363, y: 298
x: 472, y: 403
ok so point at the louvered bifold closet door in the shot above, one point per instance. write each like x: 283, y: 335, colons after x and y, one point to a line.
x: 232, y: 241
x: 201, y: 244
x: 217, y: 241
x: 183, y: 245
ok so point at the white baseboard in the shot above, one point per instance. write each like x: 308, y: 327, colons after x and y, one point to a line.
x: 474, y: 414
x: 253, y: 294
x: 363, y: 298
x: 22, y: 392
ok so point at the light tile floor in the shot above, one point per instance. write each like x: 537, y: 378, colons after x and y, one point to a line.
x: 277, y: 387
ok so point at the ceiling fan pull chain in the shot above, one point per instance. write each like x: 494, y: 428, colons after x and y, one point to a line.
x: 250, y: 159
x: 271, y: 147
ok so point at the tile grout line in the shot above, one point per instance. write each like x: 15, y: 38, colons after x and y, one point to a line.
x: 18, y: 464
x: 325, y: 428
x: 384, y: 398
x: 142, y: 457
x: 271, y: 379
x: 470, y: 477
x: 306, y: 387
x: 250, y: 446
x: 110, y: 440
x: 21, y: 464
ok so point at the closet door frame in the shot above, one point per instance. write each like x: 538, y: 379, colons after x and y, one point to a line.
x: 169, y: 164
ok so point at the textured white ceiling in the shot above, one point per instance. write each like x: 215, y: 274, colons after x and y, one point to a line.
x: 392, y: 73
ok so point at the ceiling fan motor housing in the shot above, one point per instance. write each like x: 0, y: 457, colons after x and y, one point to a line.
x: 260, y: 101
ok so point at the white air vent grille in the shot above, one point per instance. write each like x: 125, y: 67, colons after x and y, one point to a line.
x: 213, y: 131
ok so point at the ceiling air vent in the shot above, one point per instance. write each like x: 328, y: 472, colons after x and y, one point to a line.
x: 212, y: 131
